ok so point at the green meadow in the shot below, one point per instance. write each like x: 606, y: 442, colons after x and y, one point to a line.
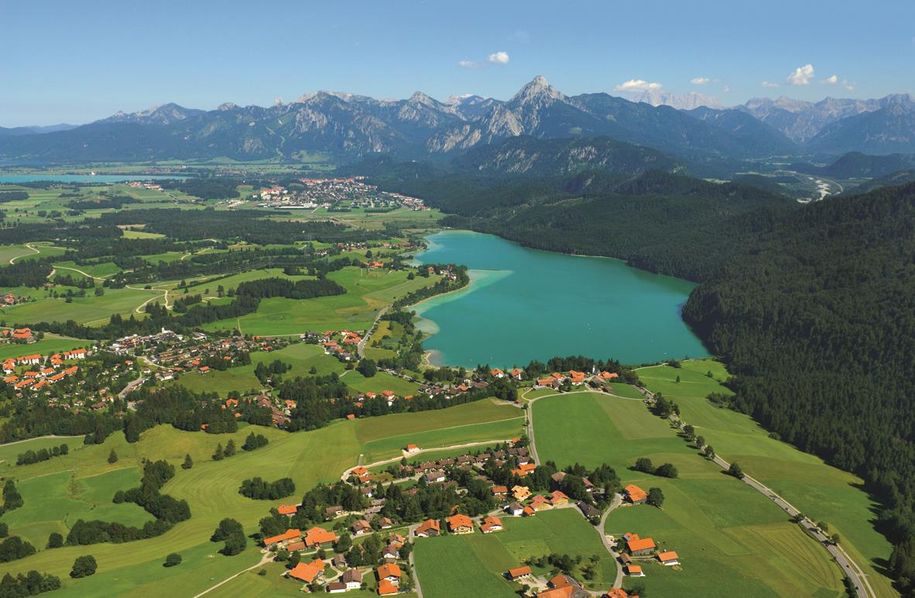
x: 367, y: 293
x: 87, y: 482
x: 51, y: 343
x: 822, y: 492
x: 90, y: 310
x: 731, y: 540
x: 447, y: 564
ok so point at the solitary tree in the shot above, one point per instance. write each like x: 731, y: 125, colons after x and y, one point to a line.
x: 217, y: 455
x: 83, y: 566
x: 55, y: 540
x: 655, y: 497
x: 644, y: 464
x: 736, y: 471
x: 172, y: 560
x: 230, y: 448
x: 188, y: 462
x: 667, y: 470
x: 112, y: 457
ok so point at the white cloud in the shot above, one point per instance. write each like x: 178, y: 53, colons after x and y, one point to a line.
x: 700, y: 80
x: 831, y: 80
x: 638, y: 85
x: 498, y: 58
x: 848, y: 85
x: 770, y: 85
x: 801, y: 75
x: 468, y: 64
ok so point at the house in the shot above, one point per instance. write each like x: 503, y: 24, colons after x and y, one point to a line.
x: 361, y: 527
x: 517, y: 373
x: 391, y: 552
x: 634, y: 494
x: 528, y: 512
x: 295, y: 546
x: 547, y: 382
x: 75, y: 354
x: 429, y: 528
x: 283, y: 539
x: 411, y: 449
x: 352, y: 578
x: 518, y: 573
x: 334, y: 512
x: 558, y: 497
x: 460, y: 524
x: 389, y: 572
x: 435, y: 476
x: 9, y: 365
x: 287, y: 510
x: 609, y: 376
x: 524, y: 469
x: 633, y: 571
x: 588, y: 510
x: 491, y: 524
x: 515, y: 509
x: 496, y: 373
x: 576, y: 377
x: 386, y: 588
x: 499, y: 490
x: 307, y: 572
x: 669, y: 558
x: 617, y: 593
x: 637, y: 546
x: 33, y: 359
x: 318, y: 536
x: 539, y: 503
x: 521, y: 493
x: 336, y: 587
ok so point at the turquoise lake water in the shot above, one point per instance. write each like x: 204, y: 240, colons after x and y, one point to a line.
x: 524, y: 304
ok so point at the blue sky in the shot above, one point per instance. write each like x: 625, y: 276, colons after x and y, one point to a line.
x: 67, y: 61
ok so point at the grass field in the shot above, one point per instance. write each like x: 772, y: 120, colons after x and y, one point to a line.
x: 402, y: 217
x: 447, y: 564
x: 367, y: 292
x: 51, y: 343
x: 210, y: 488
x: 89, y: 310
x: 380, y: 382
x: 731, y: 540
x: 822, y: 492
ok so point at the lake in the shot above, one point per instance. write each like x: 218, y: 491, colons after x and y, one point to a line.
x: 100, y: 179
x: 525, y: 304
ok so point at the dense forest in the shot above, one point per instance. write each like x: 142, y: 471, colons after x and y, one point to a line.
x: 812, y: 307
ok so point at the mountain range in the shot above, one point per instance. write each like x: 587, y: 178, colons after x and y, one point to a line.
x: 349, y: 127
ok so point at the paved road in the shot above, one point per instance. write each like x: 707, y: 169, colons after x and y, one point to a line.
x: 849, y: 567
x: 616, y: 502
x: 360, y: 347
x: 266, y: 558
x: 27, y: 246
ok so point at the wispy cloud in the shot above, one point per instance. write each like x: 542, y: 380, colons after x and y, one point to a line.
x: 831, y: 80
x: 638, y: 85
x: 468, y: 64
x: 700, y: 80
x: 770, y: 85
x: 801, y: 75
x: 836, y: 80
x: 498, y: 58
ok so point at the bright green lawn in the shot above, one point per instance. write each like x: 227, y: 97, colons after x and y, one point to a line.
x: 367, y: 292
x: 715, y: 522
x: 380, y: 382
x: 447, y: 563
x: 822, y: 492
x: 51, y: 343
x: 89, y: 310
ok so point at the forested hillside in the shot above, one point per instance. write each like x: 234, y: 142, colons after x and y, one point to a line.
x: 812, y: 307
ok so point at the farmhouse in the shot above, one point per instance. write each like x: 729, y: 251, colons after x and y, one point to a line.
x: 499, y: 490
x: 460, y: 524
x: 287, y: 509
x: 524, y: 469
x: 352, y: 578
x: 521, y: 493
x: 669, y: 558
x: 633, y: 571
x: 308, y: 572
x: 429, y: 528
x: 336, y: 587
x: 435, y: 476
x: 558, y: 497
x: 282, y: 539
x: 318, y: 536
x: 518, y: 573
x: 515, y: 509
x: 361, y: 527
x: 577, y: 377
x: 491, y: 524
x: 637, y: 546
x: 635, y: 495
x: 539, y: 503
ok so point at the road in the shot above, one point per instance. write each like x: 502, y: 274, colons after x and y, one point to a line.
x: 849, y: 567
x: 27, y: 246
x: 266, y: 558
x: 616, y: 502
x: 360, y: 348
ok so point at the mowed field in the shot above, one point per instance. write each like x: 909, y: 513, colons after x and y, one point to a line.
x: 472, y: 565
x: 90, y: 310
x: 822, y: 492
x: 731, y: 540
x: 367, y: 292
x: 51, y: 343
x: 86, y: 481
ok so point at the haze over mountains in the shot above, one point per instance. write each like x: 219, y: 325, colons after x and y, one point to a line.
x: 348, y: 127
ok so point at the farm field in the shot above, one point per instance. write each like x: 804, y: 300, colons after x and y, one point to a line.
x: 445, y: 564
x: 402, y: 217
x: 51, y: 343
x: 301, y: 356
x: 381, y: 381
x: 210, y: 489
x: 90, y: 310
x: 822, y: 492
x: 21, y: 252
x: 722, y: 529
x: 102, y: 270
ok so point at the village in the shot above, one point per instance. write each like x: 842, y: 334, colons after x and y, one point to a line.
x: 517, y: 488
x: 336, y: 194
